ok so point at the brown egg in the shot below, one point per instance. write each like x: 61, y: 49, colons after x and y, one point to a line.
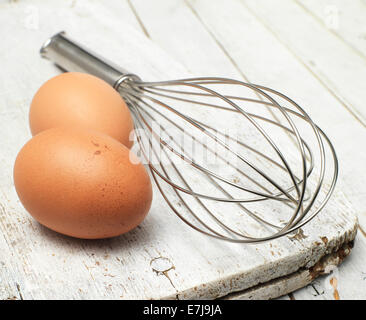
x: 78, y: 99
x: 82, y: 183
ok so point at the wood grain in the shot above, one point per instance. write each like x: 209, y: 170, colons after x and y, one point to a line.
x: 344, y: 21
x: 163, y: 258
x: 329, y: 58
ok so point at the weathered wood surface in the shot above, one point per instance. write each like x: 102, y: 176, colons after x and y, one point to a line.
x: 164, y: 258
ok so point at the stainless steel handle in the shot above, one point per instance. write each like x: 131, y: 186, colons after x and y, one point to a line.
x: 71, y: 56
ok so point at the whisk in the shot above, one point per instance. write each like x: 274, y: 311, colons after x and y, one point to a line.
x: 234, y: 160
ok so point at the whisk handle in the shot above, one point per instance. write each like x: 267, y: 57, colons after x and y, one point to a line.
x: 71, y: 56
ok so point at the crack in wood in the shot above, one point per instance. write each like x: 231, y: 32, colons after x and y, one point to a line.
x: 161, y: 266
x: 19, y: 291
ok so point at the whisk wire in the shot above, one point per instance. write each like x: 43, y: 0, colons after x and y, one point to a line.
x: 137, y: 95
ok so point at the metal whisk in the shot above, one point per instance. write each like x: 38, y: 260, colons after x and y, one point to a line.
x: 242, y: 163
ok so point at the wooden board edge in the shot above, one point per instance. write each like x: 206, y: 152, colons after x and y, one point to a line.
x: 284, y: 285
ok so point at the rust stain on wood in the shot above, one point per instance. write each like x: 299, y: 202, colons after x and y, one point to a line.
x: 334, y: 282
x: 336, y: 258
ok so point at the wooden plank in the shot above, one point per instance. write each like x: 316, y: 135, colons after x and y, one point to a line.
x: 324, y: 55
x: 345, y: 20
x: 162, y: 258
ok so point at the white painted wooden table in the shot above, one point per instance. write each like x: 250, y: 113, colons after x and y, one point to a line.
x: 314, y: 51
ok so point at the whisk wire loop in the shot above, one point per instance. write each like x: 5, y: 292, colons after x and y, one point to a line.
x: 145, y: 101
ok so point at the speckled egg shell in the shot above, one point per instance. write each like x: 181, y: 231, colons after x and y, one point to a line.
x: 82, y: 183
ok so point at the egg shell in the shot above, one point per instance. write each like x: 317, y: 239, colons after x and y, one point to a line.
x: 79, y: 99
x: 82, y: 183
